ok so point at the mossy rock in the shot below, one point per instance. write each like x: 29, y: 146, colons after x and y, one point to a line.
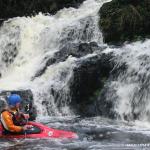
x: 125, y: 20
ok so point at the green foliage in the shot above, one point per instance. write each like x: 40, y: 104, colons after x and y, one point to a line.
x: 14, y: 8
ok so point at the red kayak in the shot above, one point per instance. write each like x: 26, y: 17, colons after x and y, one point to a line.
x: 40, y: 131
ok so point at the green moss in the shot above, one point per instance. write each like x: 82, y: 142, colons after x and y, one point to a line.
x: 106, y: 23
x: 97, y: 93
x: 121, y: 21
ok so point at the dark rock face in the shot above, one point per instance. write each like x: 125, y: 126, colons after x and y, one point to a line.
x: 106, y: 99
x: 89, y: 86
x: 73, y: 49
x: 27, y: 102
x: 87, y: 83
x: 14, y: 8
x: 105, y: 107
x: 89, y: 78
x: 125, y: 20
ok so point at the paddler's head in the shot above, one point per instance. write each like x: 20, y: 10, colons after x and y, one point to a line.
x: 14, y: 101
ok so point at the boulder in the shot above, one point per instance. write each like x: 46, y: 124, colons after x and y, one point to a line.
x: 88, y: 80
x: 106, y: 99
x: 125, y: 20
x: 71, y: 49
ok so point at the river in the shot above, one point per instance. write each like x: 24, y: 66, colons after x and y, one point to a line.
x: 27, y: 43
x: 94, y: 134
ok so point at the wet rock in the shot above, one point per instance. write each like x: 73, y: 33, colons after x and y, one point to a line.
x: 70, y: 49
x: 125, y: 20
x: 15, y: 8
x: 88, y: 80
x: 105, y: 102
x: 106, y: 99
x: 89, y: 77
x: 9, y: 55
x: 88, y: 85
x: 27, y: 102
x: 77, y: 50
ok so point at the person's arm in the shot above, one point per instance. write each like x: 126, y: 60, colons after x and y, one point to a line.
x: 6, y: 116
x: 26, y: 116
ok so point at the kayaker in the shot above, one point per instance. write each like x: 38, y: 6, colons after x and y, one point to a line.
x: 10, y: 117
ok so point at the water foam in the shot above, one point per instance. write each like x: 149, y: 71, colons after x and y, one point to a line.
x: 27, y: 42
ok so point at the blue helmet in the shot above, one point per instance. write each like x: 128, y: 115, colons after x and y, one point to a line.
x: 13, y: 99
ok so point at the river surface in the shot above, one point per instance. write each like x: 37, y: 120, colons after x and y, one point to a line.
x: 94, y: 134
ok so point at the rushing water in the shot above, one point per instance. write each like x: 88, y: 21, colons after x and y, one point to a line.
x: 94, y: 134
x: 132, y: 85
x: 26, y: 43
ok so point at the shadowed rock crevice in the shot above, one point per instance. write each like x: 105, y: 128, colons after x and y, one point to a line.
x: 89, y: 79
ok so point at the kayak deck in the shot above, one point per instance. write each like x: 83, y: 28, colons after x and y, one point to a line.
x: 44, y: 132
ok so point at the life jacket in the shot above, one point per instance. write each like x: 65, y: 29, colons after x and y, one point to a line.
x: 17, y: 118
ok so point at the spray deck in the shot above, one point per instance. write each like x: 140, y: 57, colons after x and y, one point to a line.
x: 43, y: 132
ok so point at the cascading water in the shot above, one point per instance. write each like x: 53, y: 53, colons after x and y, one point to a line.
x: 132, y: 84
x: 27, y: 44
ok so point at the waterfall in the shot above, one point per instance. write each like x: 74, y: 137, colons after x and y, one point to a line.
x: 26, y: 43
x: 132, y: 86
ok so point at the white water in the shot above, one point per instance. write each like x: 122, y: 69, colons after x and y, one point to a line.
x: 133, y: 85
x: 37, y: 38
x: 32, y: 40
